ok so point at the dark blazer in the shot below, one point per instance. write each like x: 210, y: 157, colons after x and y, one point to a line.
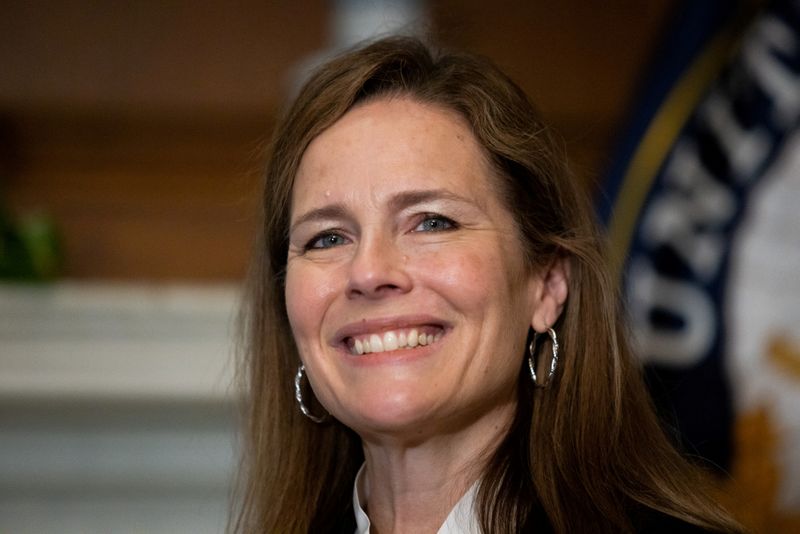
x: 346, y: 523
x: 646, y: 521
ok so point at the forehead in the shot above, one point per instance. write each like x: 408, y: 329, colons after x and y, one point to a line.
x: 384, y: 146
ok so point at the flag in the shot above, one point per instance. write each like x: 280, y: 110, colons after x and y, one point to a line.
x: 702, y: 210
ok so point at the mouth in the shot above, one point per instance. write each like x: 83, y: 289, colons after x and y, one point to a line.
x: 391, y: 340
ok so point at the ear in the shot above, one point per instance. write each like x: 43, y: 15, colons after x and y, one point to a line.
x: 550, y: 294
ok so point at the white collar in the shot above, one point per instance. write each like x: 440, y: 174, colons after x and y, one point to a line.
x: 461, y: 520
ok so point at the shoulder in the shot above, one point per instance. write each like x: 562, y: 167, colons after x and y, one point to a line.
x: 345, y: 523
x: 649, y: 521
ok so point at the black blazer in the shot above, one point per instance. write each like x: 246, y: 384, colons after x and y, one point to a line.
x: 646, y: 521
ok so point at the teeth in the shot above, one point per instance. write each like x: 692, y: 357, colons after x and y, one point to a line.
x: 375, y: 343
x: 412, y: 338
x: 391, y: 340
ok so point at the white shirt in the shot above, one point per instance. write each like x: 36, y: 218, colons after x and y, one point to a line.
x: 461, y: 520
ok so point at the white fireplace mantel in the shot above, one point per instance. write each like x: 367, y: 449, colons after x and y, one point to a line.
x: 75, y: 340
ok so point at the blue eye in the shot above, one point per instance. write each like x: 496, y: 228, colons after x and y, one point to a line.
x: 326, y: 241
x: 435, y: 223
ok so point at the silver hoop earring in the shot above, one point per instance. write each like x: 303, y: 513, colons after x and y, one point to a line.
x: 553, y: 360
x: 298, y: 394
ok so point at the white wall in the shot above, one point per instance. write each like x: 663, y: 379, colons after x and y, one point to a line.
x: 115, y: 408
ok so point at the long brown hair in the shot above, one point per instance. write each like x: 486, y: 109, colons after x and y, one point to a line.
x: 586, y: 453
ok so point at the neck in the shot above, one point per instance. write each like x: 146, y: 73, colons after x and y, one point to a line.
x: 411, y: 486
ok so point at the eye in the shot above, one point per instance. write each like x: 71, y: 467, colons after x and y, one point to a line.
x: 326, y: 240
x: 435, y: 223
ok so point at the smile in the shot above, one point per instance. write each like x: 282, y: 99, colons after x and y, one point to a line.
x: 390, y: 340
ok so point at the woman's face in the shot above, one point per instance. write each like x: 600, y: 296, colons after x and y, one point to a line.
x: 406, y: 289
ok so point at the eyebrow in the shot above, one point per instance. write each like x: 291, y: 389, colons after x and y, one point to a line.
x: 406, y: 199
x: 398, y: 202
x: 331, y: 211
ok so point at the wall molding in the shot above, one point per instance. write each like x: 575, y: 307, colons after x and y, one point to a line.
x: 115, y: 341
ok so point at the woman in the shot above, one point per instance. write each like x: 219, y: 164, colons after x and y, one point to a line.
x: 431, y: 291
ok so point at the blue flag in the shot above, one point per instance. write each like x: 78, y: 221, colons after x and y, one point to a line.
x: 723, y: 98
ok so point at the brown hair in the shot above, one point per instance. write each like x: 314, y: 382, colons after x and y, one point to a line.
x: 587, y: 453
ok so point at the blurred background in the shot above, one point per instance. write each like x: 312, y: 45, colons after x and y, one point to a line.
x: 131, y: 138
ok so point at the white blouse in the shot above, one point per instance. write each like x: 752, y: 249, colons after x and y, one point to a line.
x: 461, y: 520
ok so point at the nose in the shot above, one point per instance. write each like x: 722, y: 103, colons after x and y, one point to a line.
x: 377, y: 270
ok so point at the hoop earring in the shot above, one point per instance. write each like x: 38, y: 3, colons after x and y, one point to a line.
x: 553, y: 360
x: 298, y: 394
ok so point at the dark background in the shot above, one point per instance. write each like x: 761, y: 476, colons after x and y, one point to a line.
x: 137, y: 127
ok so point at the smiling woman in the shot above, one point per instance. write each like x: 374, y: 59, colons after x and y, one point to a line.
x: 404, y: 223
x: 420, y: 230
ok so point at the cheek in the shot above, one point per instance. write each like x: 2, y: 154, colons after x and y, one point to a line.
x: 486, y: 287
x: 468, y: 277
x: 308, y: 293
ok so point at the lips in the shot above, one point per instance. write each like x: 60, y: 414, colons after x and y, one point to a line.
x: 394, y: 340
x: 390, y: 334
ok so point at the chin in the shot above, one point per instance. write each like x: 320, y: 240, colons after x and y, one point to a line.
x: 390, y: 413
